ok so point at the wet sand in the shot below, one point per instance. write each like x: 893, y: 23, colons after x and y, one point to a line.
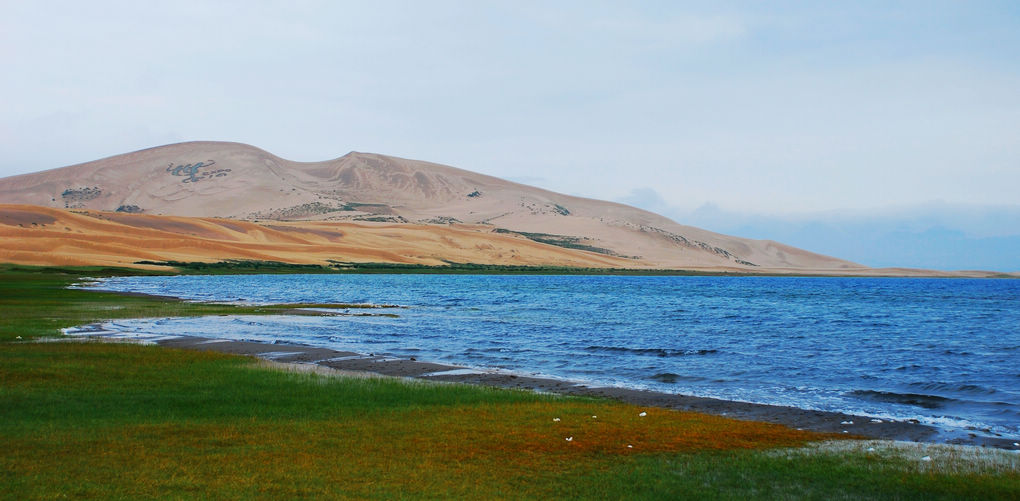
x: 347, y: 362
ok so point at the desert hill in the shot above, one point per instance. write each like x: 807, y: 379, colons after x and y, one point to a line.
x: 241, y: 182
x: 76, y: 237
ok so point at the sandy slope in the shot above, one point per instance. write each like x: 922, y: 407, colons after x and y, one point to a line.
x: 210, y: 179
x: 77, y: 237
x: 46, y: 236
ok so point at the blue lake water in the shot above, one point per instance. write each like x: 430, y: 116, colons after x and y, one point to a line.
x: 945, y: 352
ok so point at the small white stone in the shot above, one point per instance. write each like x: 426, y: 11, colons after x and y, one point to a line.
x: 1016, y: 444
x: 847, y: 422
x: 570, y: 439
x: 844, y: 431
x: 630, y: 446
x: 871, y: 449
x: 926, y: 458
x: 556, y: 419
x: 594, y: 417
x: 643, y: 414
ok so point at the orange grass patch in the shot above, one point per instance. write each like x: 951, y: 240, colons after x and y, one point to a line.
x: 533, y: 427
x: 453, y: 450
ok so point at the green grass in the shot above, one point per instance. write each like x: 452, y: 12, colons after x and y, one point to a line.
x: 36, y: 302
x: 761, y: 475
x: 104, y: 421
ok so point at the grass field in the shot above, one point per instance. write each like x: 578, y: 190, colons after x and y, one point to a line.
x: 104, y: 421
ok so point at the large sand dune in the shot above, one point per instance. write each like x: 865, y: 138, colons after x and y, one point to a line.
x: 230, y: 180
x: 359, y: 207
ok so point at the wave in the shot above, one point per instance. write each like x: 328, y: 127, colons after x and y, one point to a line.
x: 915, y: 399
x: 970, y: 389
x: 656, y: 352
x: 671, y: 378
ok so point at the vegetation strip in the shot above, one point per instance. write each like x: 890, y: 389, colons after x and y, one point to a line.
x: 92, y: 420
x: 234, y: 267
x: 239, y: 267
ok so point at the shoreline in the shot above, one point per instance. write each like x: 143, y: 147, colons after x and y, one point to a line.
x: 345, y: 362
x: 453, y: 268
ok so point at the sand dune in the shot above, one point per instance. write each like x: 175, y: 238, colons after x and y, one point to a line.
x: 364, y: 206
x: 230, y: 180
x: 47, y: 236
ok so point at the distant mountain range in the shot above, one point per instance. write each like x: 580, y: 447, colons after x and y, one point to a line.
x: 378, y: 192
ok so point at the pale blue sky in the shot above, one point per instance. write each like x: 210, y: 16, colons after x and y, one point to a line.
x: 756, y: 107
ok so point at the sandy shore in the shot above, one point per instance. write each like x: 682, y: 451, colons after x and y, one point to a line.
x: 350, y: 362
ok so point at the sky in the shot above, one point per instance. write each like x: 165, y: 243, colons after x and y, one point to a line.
x: 789, y: 112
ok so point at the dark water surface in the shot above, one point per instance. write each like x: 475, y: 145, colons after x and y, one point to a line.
x: 946, y: 352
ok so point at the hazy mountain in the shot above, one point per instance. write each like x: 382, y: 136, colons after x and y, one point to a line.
x: 936, y: 235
